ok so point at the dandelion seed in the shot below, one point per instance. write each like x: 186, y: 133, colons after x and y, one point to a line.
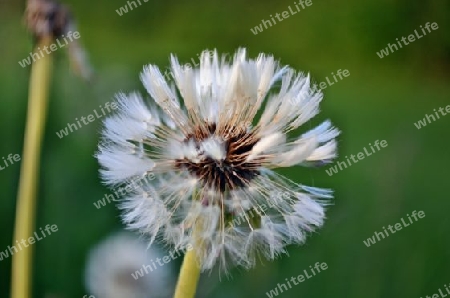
x: 211, y: 167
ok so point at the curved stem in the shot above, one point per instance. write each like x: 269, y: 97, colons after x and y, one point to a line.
x: 26, y: 198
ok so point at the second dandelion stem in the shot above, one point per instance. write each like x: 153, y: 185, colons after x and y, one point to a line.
x: 26, y: 199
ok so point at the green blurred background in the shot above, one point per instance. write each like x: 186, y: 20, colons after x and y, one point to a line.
x: 381, y: 99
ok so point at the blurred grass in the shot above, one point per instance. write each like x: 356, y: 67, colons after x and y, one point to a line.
x: 381, y: 99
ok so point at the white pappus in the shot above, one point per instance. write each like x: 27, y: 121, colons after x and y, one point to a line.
x: 211, y: 165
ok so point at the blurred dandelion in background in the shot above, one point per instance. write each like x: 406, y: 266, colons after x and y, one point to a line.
x: 112, y: 265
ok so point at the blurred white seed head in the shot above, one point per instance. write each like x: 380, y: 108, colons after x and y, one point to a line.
x: 212, y: 139
x: 112, y: 262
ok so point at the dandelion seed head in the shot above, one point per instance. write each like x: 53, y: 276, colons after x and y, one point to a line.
x: 212, y: 140
x: 111, y: 264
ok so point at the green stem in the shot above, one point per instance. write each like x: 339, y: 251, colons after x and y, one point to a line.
x: 26, y: 198
x: 190, y: 270
x: 189, y: 276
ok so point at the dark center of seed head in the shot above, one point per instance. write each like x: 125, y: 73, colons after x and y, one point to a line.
x: 233, y: 171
